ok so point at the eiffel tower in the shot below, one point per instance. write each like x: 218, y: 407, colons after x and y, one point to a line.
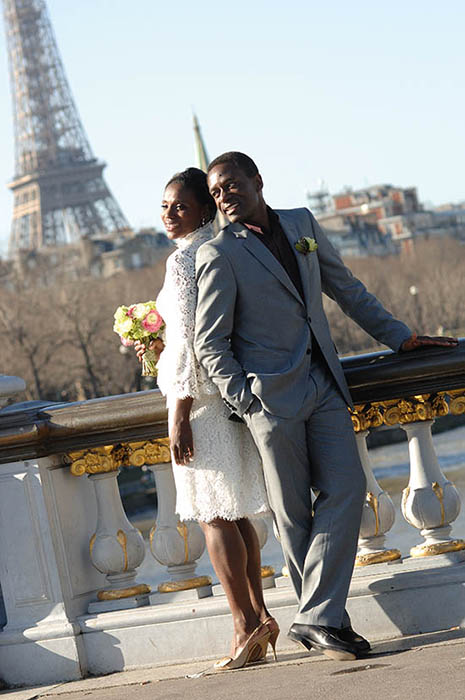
x: 59, y: 190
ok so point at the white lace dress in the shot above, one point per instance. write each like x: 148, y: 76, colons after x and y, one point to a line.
x: 224, y: 479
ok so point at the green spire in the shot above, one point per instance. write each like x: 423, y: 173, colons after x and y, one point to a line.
x: 202, y: 155
x: 202, y: 162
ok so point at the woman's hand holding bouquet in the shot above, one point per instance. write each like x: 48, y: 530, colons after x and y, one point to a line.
x: 157, y: 346
x: 141, y: 325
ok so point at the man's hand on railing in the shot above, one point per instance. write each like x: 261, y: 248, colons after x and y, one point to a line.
x: 156, y: 345
x: 418, y: 341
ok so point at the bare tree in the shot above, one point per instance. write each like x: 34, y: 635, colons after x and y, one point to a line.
x: 28, y: 342
x: 59, y: 338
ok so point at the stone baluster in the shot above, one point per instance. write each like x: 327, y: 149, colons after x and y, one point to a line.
x: 430, y: 502
x: 117, y: 543
x: 116, y: 548
x: 284, y: 580
x: 377, y: 517
x: 268, y: 571
x: 175, y: 544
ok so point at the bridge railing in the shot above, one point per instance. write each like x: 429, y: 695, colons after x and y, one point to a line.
x: 408, y: 390
x: 67, y: 547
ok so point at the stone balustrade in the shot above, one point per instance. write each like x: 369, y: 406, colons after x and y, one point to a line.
x: 69, y: 557
x: 410, y: 391
x: 430, y: 502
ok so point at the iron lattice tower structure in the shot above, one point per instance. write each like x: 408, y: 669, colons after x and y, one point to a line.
x: 59, y: 190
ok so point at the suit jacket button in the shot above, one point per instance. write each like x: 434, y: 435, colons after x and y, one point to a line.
x: 308, y: 351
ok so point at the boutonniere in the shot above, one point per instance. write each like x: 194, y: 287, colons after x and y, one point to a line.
x: 306, y: 245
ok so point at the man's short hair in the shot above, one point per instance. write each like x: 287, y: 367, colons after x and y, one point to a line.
x: 240, y: 160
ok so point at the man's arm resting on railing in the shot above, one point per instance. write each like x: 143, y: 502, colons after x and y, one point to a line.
x: 418, y: 341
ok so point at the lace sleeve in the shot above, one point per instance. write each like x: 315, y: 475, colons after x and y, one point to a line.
x: 186, y: 375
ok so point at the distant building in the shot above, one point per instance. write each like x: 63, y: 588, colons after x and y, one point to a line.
x: 102, y: 256
x: 112, y: 254
x: 450, y: 219
x: 381, y: 219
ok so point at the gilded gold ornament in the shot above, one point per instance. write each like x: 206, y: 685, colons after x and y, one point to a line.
x: 183, y: 531
x: 457, y: 401
x: 158, y: 451
x: 136, y: 458
x: 391, y: 411
x: 122, y: 539
x: 96, y: 460
x: 405, y: 495
x: 91, y: 543
x: 431, y: 550
x: 440, y: 405
x: 119, y: 593
x: 267, y: 571
x: 92, y: 461
x: 372, y: 501
x: 381, y: 557
x: 152, y: 534
x: 184, y: 585
x: 365, y: 416
x: 439, y: 492
x: 421, y: 407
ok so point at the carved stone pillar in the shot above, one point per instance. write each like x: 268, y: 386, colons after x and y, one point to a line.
x: 430, y: 502
x: 268, y: 572
x: 116, y: 548
x: 175, y: 544
x: 378, y: 515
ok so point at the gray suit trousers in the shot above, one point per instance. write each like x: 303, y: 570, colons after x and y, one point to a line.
x: 315, y: 451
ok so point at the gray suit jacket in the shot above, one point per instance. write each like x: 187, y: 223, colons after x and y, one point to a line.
x: 253, y: 330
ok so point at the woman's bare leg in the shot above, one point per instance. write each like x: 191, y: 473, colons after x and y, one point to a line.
x: 229, y: 557
x: 254, y: 573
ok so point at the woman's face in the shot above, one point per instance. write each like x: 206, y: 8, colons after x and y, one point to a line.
x: 180, y: 211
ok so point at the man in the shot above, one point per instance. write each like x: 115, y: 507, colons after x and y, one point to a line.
x: 263, y: 338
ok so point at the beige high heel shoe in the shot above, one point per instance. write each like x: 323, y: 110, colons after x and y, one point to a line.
x: 255, y: 644
x: 273, y: 629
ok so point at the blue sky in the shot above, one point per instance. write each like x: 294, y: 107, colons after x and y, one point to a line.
x: 354, y: 93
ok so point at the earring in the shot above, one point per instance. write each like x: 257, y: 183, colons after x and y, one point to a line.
x: 203, y: 220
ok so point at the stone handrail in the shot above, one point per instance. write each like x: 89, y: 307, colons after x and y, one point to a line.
x: 387, y: 375
x: 37, y: 429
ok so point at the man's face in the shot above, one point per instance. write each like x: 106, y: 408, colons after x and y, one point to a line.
x: 237, y: 196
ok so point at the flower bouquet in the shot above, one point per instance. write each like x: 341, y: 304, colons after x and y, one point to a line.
x: 140, y: 322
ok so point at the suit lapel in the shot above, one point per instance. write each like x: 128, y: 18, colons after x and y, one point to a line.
x: 293, y: 236
x: 264, y: 256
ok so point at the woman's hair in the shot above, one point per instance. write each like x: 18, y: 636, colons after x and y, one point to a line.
x: 195, y: 180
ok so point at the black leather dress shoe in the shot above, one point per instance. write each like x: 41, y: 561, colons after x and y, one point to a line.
x: 325, y: 639
x: 362, y: 645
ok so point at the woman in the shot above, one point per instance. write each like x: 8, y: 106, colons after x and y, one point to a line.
x: 216, y: 466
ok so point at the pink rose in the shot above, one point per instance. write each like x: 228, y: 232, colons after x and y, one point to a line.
x: 130, y: 311
x: 127, y: 342
x: 152, y: 322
